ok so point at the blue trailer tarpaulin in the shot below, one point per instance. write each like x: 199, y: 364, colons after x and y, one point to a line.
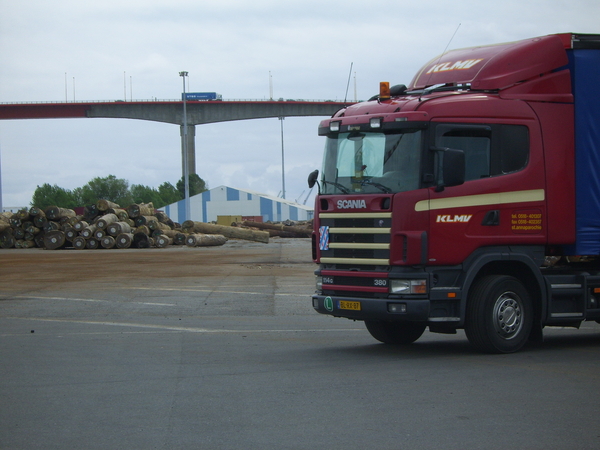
x: 585, y: 73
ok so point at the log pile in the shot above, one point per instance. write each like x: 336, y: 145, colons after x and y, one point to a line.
x: 286, y: 229
x: 252, y: 231
x: 104, y: 225
x: 191, y: 227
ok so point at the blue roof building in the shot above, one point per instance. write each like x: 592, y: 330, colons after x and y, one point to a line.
x: 227, y: 201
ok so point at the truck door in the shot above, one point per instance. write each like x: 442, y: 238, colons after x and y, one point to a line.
x: 502, y: 199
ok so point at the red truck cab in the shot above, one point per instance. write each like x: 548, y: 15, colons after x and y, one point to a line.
x: 458, y: 201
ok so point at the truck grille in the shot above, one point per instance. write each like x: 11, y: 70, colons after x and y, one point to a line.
x: 355, y: 238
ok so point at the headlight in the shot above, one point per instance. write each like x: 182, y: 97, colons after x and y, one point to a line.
x: 408, y: 286
x: 319, y: 283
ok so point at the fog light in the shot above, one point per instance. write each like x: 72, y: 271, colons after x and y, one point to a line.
x: 397, y: 308
x: 315, y: 303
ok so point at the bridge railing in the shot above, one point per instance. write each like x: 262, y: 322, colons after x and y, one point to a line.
x: 173, y: 100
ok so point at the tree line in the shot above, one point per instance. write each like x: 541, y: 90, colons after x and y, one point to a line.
x: 116, y: 190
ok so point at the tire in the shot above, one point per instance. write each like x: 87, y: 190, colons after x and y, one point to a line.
x: 499, y: 314
x: 396, y: 333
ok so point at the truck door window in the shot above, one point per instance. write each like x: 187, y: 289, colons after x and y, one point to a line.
x: 475, y: 141
x: 514, y: 147
x: 490, y: 150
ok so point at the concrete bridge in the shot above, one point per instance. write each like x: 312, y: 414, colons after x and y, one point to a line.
x: 171, y: 111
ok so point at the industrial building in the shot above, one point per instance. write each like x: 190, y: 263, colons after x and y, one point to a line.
x: 249, y: 205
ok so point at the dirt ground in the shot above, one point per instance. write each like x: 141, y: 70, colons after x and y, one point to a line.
x: 31, y: 269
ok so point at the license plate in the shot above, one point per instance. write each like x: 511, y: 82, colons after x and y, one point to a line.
x: 355, y: 306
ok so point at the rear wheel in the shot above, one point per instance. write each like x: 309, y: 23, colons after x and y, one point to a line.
x: 395, y: 332
x: 499, y: 314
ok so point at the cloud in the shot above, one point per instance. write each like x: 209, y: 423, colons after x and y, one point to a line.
x: 106, y: 50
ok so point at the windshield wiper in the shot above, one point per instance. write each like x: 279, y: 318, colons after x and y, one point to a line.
x: 341, y: 187
x: 391, y: 152
x: 381, y: 187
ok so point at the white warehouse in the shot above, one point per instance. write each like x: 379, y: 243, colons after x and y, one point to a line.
x: 226, y: 201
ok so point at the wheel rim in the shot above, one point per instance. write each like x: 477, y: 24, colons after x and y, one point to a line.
x: 508, y: 315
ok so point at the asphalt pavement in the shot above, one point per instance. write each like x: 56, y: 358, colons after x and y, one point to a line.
x: 227, y: 353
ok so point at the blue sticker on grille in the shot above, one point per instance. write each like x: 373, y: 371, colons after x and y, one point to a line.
x: 323, y: 238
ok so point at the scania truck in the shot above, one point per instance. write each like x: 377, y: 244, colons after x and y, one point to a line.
x: 469, y: 199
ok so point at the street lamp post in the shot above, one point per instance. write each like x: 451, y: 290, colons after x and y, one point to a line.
x: 186, y: 169
x: 1, y: 210
x: 282, y: 161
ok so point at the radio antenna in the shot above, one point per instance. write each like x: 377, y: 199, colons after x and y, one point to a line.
x: 448, y: 45
x: 348, y: 85
x: 441, y: 56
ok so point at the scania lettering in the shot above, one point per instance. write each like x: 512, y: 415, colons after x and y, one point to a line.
x: 469, y: 199
x: 354, y: 204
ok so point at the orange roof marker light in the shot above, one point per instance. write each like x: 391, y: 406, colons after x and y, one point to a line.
x: 384, y: 90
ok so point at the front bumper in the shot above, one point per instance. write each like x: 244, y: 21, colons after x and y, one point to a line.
x: 415, y: 310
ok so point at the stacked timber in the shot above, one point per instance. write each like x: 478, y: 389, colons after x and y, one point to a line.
x: 179, y: 238
x: 7, y: 239
x: 124, y: 240
x: 287, y: 230
x: 137, y: 210
x: 5, y: 221
x: 105, y: 205
x: 104, y: 221
x: 116, y: 228
x: 163, y: 241
x: 104, y: 225
x: 191, y: 227
x: 203, y: 240
x: 54, y: 213
x: 55, y: 239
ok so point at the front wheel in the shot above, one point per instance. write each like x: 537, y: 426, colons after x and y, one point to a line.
x: 499, y: 314
x: 395, y: 332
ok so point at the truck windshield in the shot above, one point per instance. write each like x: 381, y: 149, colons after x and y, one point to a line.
x: 368, y: 162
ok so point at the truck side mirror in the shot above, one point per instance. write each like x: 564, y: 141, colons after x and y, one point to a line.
x: 451, y: 167
x: 312, y: 178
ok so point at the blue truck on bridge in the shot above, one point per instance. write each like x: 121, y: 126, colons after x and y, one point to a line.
x: 202, y: 96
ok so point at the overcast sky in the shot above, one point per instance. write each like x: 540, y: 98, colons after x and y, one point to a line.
x: 109, y: 49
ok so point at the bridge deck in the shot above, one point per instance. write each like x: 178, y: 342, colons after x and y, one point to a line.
x: 198, y: 112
